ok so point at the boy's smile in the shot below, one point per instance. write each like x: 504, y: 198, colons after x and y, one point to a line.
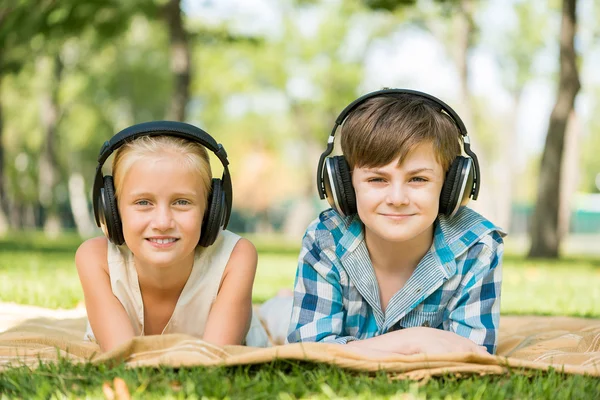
x: 400, y: 202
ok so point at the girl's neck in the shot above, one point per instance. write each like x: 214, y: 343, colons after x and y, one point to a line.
x: 398, y: 256
x: 166, y: 279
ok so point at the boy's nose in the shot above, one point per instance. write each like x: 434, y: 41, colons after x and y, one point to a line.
x: 397, y: 195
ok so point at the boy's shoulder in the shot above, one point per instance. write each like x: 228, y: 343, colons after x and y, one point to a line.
x: 466, y: 229
x: 330, y: 228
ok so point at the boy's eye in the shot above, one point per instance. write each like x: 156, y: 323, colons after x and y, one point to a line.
x: 182, y: 202
x: 142, y: 203
x: 418, y: 179
x: 375, y: 180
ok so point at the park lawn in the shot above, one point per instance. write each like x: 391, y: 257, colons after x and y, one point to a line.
x: 38, y: 272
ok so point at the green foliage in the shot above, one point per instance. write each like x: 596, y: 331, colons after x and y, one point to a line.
x: 391, y: 5
x: 32, y: 25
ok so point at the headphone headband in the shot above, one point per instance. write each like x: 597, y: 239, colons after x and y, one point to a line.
x: 163, y: 128
x: 444, y: 107
x: 390, y: 92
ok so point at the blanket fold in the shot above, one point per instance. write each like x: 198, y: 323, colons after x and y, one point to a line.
x: 570, y: 345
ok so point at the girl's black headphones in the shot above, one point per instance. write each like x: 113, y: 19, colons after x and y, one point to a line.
x: 220, y: 198
x: 334, y: 179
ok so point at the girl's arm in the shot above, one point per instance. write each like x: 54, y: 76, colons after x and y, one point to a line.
x: 230, y: 314
x: 107, y: 316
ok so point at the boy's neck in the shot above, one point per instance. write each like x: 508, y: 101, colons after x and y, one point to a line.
x: 398, y: 256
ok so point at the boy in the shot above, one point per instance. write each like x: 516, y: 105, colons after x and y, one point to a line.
x: 399, y: 264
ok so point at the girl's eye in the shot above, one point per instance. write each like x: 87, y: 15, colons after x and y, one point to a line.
x: 142, y: 203
x: 418, y: 179
x: 182, y: 202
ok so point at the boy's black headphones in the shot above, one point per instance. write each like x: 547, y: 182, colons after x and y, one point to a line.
x: 218, y: 210
x: 334, y: 179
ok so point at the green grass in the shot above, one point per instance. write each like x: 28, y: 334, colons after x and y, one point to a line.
x: 284, y: 380
x: 36, y: 271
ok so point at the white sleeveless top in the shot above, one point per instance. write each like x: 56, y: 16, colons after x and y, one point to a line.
x: 196, y: 299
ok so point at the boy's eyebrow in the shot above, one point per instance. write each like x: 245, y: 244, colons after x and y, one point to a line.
x: 419, y: 170
x: 411, y: 172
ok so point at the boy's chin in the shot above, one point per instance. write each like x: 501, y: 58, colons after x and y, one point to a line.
x: 401, y: 234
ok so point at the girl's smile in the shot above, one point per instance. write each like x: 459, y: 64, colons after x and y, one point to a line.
x: 162, y: 203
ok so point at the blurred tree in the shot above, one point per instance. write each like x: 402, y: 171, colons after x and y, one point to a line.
x: 179, y: 60
x: 284, y: 97
x: 41, y: 26
x: 545, y: 237
x: 516, y: 53
x: 591, y: 148
x: 453, y: 24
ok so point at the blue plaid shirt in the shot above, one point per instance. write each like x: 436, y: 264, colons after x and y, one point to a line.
x: 455, y: 287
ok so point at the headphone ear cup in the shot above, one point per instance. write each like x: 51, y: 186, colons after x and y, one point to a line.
x: 214, y: 216
x: 456, y: 191
x: 342, y: 179
x: 108, y: 207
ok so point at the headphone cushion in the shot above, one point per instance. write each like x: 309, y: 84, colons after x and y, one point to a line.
x: 214, y: 215
x: 343, y: 182
x: 451, y: 187
x: 113, y: 220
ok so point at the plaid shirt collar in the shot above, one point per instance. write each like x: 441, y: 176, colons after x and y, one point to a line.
x: 450, y: 241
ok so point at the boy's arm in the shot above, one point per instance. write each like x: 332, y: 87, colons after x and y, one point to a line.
x: 476, y: 313
x: 318, y: 310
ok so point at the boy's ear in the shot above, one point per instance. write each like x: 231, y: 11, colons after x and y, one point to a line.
x: 457, y: 187
x: 338, y: 186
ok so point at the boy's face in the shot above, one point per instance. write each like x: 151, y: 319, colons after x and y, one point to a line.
x: 398, y: 203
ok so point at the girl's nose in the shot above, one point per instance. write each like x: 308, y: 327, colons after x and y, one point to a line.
x: 163, y: 218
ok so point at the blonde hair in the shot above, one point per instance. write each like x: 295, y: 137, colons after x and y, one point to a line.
x: 386, y: 127
x: 193, y: 154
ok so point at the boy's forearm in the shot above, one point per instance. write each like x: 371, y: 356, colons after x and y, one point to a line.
x: 400, y: 342
x: 419, y: 340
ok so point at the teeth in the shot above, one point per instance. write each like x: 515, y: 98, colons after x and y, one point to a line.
x: 163, y: 241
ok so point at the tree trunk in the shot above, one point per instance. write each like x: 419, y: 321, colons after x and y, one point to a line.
x: 545, y: 235
x: 79, y: 205
x: 3, y: 194
x: 48, y: 164
x: 466, y: 29
x: 569, y: 175
x: 180, y: 60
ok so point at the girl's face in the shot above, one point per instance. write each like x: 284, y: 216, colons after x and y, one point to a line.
x: 161, y: 205
x: 399, y: 203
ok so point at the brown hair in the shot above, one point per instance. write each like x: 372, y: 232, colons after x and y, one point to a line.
x: 390, y: 126
x: 193, y: 156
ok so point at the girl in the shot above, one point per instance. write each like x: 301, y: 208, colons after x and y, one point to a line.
x: 152, y: 276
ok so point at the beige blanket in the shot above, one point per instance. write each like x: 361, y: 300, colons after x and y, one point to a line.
x: 567, y: 344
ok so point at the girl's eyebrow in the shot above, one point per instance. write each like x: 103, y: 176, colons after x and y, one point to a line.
x: 149, y: 194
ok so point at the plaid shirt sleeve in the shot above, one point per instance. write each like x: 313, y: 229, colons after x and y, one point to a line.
x: 476, y: 313
x: 318, y: 310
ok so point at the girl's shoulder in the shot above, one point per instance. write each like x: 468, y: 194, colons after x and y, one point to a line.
x: 243, y: 257
x: 92, y: 254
